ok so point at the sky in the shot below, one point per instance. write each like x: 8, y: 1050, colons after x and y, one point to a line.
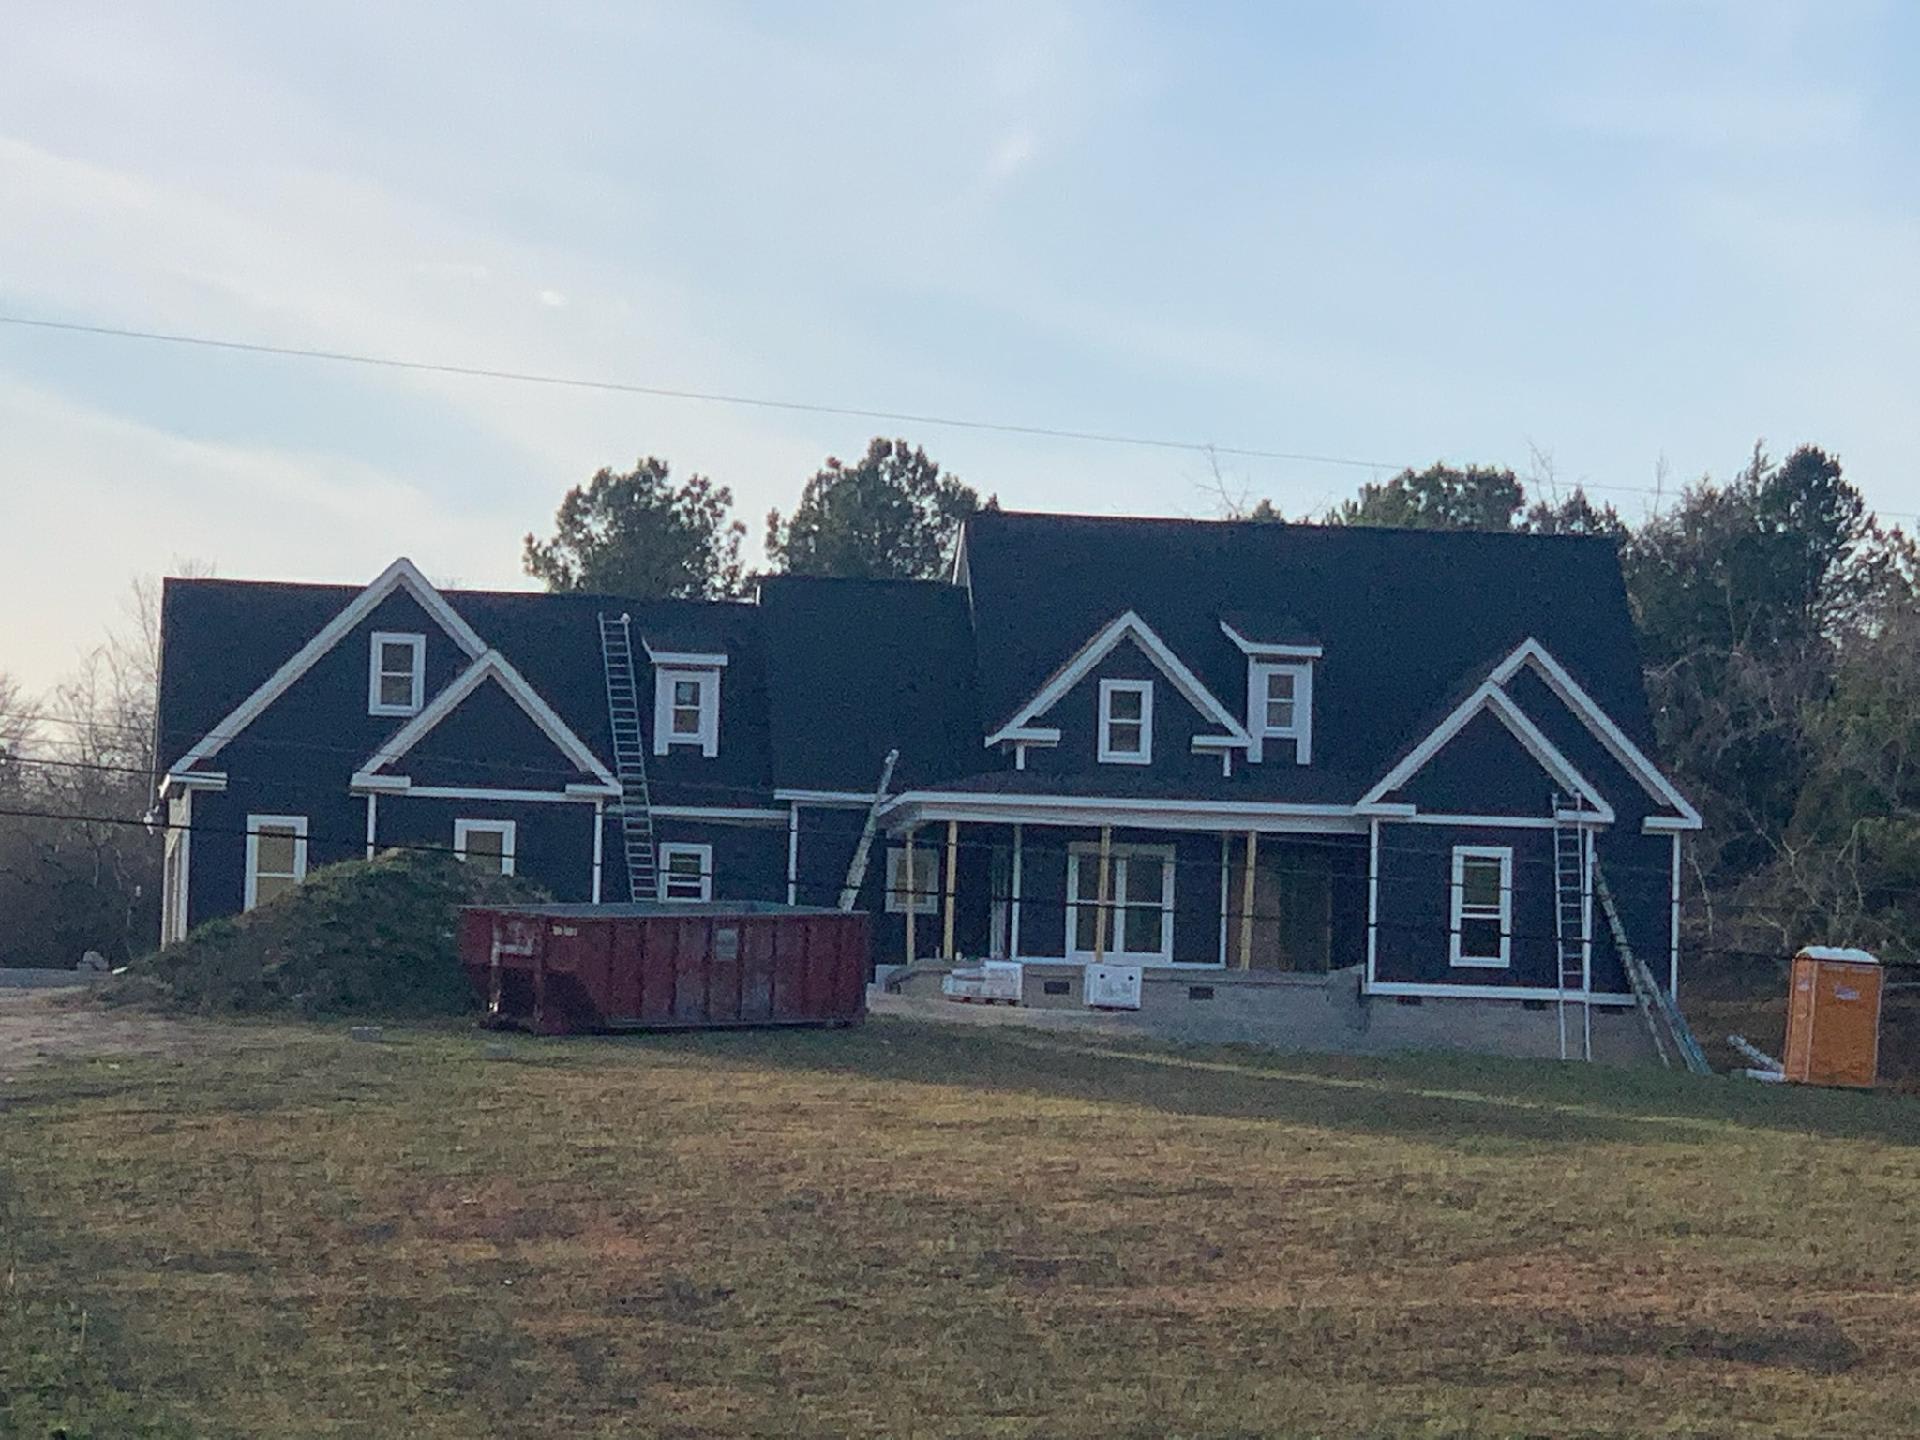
x: 1613, y: 242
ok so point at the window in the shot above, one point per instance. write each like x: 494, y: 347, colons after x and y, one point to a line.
x: 1482, y: 906
x: 276, y: 856
x: 397, y: 674
x: 686, y: 710
x: 1280, y: 707
x: 923, y: 890
x: 485, y: 842
x: 1126, y: 722
x: 1139, y: 902
x: 686, y: 872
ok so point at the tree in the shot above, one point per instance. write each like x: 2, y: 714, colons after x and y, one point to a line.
x: 892, y: 514
x: 1440, y: 497
x: 636, y: 533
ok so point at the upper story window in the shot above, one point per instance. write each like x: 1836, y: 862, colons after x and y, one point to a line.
x: 686, y: 710
x: 396, y: 674
x: 1126, y: 722
x: 1280, y: 706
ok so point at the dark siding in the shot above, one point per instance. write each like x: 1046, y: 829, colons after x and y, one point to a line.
x: 749, y: 861
x: 1175, y: 723
x: 553, y: 841
x: 1416, y: 877
x: 488, y: 743
x: 1484, y: 770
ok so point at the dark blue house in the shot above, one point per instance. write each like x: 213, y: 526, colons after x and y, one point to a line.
x: 1202, y: 746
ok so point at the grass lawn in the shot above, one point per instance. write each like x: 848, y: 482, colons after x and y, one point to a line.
x: 916, y: 1231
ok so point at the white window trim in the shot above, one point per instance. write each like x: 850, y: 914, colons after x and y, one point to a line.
x: 1118, y: 855
x: 704, y: 853
x: 1142, y: 688
x: 708, y: 740
x: 255, y: 824
x: 925, y: 901
x: 418, y: 645
x: 507, y: 830
x: 1457, y: 907
x: 1301, y: 731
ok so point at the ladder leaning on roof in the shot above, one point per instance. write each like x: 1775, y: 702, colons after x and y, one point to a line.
x: 1572, y: 896
x: 857, y: 871
x: 1658, y: 1009
x: 635, y: 805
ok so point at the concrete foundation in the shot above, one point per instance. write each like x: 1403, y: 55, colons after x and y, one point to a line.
x: 1324, y: 1013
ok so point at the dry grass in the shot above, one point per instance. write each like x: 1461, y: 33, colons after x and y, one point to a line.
x: 911, y: 1231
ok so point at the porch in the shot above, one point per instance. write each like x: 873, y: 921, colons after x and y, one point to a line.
x: 1183, y: 899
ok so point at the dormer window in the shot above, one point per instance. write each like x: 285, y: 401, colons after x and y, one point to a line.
x: 1280, y: 706
x: 396, y: 674
x: 1126, y: 722
x: 686, y: 708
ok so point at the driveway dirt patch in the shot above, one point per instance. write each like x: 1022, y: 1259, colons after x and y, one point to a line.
x: 42, y: 1025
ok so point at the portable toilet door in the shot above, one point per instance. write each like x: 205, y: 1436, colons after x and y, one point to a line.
x: 1833, y: 1017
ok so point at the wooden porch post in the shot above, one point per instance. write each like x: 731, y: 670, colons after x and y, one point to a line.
x: 1246, y: 901
x: 953, y: 865
x: 1106, y: 892
x: 912, y: 892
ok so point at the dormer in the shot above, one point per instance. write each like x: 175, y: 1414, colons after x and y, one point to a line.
x: 686, y: 700
x: 1280, y: 661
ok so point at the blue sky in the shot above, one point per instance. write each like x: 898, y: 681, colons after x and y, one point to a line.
x: 1616, y: 236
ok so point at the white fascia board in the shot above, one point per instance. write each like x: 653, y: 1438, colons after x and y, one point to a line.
x: 363, y: 783
x: 1221, y: 742
x: 726, y: 814
x: 597, y: 790
x: 824, y: 797
x: 1025, y: 735
x: 1127, y: 625
x: 1631, y: 757
x: 685, y: 659
x: 192, y: 780
x: 1490, y: 992
x: 402, y: 574
x: 495, y: 666
x: 1659, y: 824
x: 1489, y: 696
x: 1262, y: 650
x: 923, y: 806
x: 486, y: 792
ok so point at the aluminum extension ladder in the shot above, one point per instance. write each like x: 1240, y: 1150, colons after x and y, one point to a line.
x: 635, y: 805
x: 1572, y: 890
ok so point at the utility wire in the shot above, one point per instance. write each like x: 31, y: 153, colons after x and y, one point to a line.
x: 664, y: 392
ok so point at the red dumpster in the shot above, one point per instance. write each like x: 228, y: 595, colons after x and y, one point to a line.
x: 562, y: 969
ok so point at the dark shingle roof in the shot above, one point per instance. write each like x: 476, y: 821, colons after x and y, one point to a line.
x: 1404, y: 616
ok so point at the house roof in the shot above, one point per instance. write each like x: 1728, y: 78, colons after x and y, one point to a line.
x: 1404, y: 617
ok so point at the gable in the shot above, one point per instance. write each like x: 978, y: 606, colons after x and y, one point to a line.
x: 399, y: 599
x: 1027, y: 722
x: 488, y: 730
x: 1483, y: 769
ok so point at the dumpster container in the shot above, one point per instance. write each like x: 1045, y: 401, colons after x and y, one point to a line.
x: 1833, y: 1017
x: 561, y: 969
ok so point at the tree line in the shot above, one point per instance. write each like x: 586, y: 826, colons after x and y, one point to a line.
x: 1778, y: 622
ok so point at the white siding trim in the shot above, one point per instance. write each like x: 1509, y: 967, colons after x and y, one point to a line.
x: 373, y: 820
x: 1456, y: 907
x: 1108, y: 755
x: 507, y: 830
x: 793, y: 853
x: 255, y: 824
x: 491, y: 666
x: 416, y: 672
x: 703, y: 854
x: 402, y: 574
x: 1673, y: 942
x: 1127, y: 625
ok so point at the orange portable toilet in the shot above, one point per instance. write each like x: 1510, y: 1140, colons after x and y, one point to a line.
x: 1833, y: 1017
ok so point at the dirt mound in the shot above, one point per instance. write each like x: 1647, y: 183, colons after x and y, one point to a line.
x: 365, y: 937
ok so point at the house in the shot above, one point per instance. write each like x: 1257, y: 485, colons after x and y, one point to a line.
x: 1227, y: 747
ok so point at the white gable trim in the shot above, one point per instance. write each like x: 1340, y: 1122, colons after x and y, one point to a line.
x: 1631, y: 757
x: 1489, y: 696
x: 1271, y: 650
x: 1127, y: 626
x: 490, y: 666
x: 402, y: 574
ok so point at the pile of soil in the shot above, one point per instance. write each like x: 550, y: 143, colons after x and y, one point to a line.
x: 368, y: 937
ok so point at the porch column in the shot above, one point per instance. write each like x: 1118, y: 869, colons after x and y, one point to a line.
x: 912, y: 891
x: 953, y: 865
x: 1013, y: 920
x: 1106, y: 892
x: 1246, y: 901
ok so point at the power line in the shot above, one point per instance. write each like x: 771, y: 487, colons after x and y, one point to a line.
x: 666, y: 392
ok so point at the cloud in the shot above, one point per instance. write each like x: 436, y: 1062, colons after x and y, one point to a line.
x: 552, y: 299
